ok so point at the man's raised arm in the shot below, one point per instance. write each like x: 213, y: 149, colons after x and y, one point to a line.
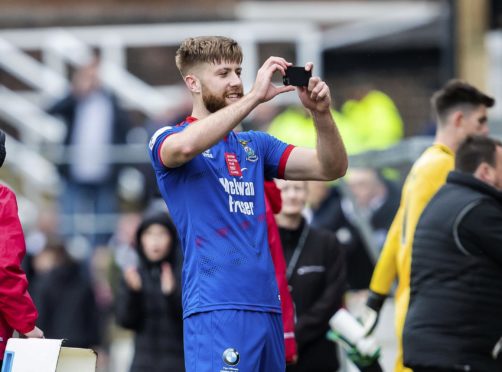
x: 328, y: 161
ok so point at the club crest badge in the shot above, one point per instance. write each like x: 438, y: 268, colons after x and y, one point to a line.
x: 251, y: 156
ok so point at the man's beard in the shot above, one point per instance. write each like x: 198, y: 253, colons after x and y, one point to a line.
x: 214, y: 103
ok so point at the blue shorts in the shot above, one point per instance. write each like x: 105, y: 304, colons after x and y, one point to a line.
x: 234, y: 341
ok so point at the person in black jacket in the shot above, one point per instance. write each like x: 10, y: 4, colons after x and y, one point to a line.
x: 65, y: 297
x: 149, y: 298
x: 94, y: 121
x: 317, y: 278
x: 453, y: 321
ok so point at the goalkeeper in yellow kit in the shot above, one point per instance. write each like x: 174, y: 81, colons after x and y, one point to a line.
x: 461, y: 110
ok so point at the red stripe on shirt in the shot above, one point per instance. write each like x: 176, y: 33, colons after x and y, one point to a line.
x: 284, y: 160
x: 189, y: 120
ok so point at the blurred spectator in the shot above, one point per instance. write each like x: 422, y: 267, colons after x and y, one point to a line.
x: 104, y: 276
x: 123, y: 240
x: 375, y: 122
x: 17, y: 311
x: 149, y: 298
x: 370, y: 121
x: 94, y: 122
x: 47, y: 224
x: 453, y: 321
x: 173, y: 115
x: 316, y: 275
x: 295, y: 125
x: 64, y: 297
x: 108, y: 265
x: 373, y: 201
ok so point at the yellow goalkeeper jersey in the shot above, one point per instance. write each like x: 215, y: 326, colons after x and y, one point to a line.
x: 426, y: 176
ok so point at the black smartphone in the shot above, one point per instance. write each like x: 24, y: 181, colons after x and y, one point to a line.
x: 297, y: 76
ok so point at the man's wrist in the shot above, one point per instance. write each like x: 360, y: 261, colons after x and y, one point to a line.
x: 375, y: 301
x: 251, y: 98
x: 321, y: 114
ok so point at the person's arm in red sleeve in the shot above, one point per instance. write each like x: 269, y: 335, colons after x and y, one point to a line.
x: 16, y: 306
x: 273, y: 204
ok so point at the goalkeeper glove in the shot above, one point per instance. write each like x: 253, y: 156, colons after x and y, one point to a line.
x: 364, y: 354
x: 350, y: 335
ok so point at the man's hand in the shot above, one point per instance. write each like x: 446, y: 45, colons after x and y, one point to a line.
x: 132, y: 279
x: 167, y: 280
x: 316, y: 97
x: 35, y: 333
x: 263, y: 87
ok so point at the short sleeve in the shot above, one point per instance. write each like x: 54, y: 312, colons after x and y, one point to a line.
x: 156, y: 141
x: 275, y: 153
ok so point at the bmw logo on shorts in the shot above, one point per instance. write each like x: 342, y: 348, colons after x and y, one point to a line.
x: 231, y: 357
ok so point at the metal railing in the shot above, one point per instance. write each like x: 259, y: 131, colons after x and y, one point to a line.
x: 73, y: 45
x: 35, y: 126
x: 37, y: 172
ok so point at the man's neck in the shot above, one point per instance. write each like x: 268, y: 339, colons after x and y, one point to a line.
x: 290, y: 222
x: 199, y: 110
x: 200, y: 113
x: 446, y: 138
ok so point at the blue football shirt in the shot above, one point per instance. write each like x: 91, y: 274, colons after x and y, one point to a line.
x: 217, y: 202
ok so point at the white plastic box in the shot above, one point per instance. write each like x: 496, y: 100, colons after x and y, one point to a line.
x: 46, y: 355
